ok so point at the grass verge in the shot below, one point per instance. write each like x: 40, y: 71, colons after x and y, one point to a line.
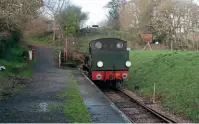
x: 17, y: 72
x: 175, y: 75
x: 40, y: 39
x: 74, y: 107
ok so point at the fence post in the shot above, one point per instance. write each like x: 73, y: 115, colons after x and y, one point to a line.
x: 66, y: 50
x: 33, y: 54
x: 59, y: 60
x: 30, y: 55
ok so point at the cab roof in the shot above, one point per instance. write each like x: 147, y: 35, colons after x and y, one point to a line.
x: 109, y: 39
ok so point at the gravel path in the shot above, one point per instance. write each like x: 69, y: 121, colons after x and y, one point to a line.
x: 31, y: 105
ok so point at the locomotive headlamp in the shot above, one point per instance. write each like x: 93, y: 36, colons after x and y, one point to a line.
x: 128, y: 64
x: 119, y: 45
x: 100, y: 64
x: 98, y: 45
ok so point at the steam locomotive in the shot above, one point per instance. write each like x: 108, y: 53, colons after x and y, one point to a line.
x: 108, y: 61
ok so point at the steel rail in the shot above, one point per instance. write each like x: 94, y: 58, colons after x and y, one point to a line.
x: 157, y: 114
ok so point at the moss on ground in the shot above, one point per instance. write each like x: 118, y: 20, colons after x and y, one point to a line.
x: 74, y: 106
x: 55, y: 107
x: 175, y: 75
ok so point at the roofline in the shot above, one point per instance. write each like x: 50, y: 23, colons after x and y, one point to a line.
x: 109, y: 38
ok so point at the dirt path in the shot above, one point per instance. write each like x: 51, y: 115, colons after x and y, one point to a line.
x: 31, y: 105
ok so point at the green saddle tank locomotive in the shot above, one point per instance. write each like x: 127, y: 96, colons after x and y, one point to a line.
x: 108, y: 61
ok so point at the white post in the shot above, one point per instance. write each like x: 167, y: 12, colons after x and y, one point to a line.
x: 154, y: 91
x: 30, y: 55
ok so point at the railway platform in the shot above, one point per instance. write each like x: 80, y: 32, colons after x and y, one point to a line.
x: 101, y: 109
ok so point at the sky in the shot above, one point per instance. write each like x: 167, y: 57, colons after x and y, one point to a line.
x: 95, y: 8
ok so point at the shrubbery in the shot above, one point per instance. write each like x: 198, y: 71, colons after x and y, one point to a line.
x: 9, y: 39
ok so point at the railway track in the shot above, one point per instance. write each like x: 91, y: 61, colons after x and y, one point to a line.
x: 135, y: 110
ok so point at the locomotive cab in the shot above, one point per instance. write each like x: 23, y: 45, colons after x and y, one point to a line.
x: 108, y: 60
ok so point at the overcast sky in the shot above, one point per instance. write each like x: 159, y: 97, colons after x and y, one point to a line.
x: 95, y: 8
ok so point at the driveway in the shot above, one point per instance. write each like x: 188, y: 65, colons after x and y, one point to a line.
x: 31, y: 105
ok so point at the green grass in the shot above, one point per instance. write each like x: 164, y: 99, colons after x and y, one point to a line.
x: 13, y: 60
x: 175, y: 75
x: 74, y: 107
x: 55, y: 107
x: 40, y: 39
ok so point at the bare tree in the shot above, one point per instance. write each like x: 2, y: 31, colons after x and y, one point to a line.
x: 53, y: 8
x: 136, y: 16
x: 18, y: 11
x: 114, y: 8
x: 173, y: 22
x: 14, y: 14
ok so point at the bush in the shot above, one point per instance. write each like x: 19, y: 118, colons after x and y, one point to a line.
x: 5, y: 42
x: 8, y: 39
x: 16, y: 34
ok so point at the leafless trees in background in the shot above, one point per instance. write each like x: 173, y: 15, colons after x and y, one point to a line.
x: 13, y: 16
x: 51, y: 9
x: 38, y: 27
x: 113, y: 17
x: 67, y: 18
x: 17, y: 12
x: 172, y: 22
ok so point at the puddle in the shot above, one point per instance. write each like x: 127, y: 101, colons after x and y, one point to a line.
x: 43, y: 107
